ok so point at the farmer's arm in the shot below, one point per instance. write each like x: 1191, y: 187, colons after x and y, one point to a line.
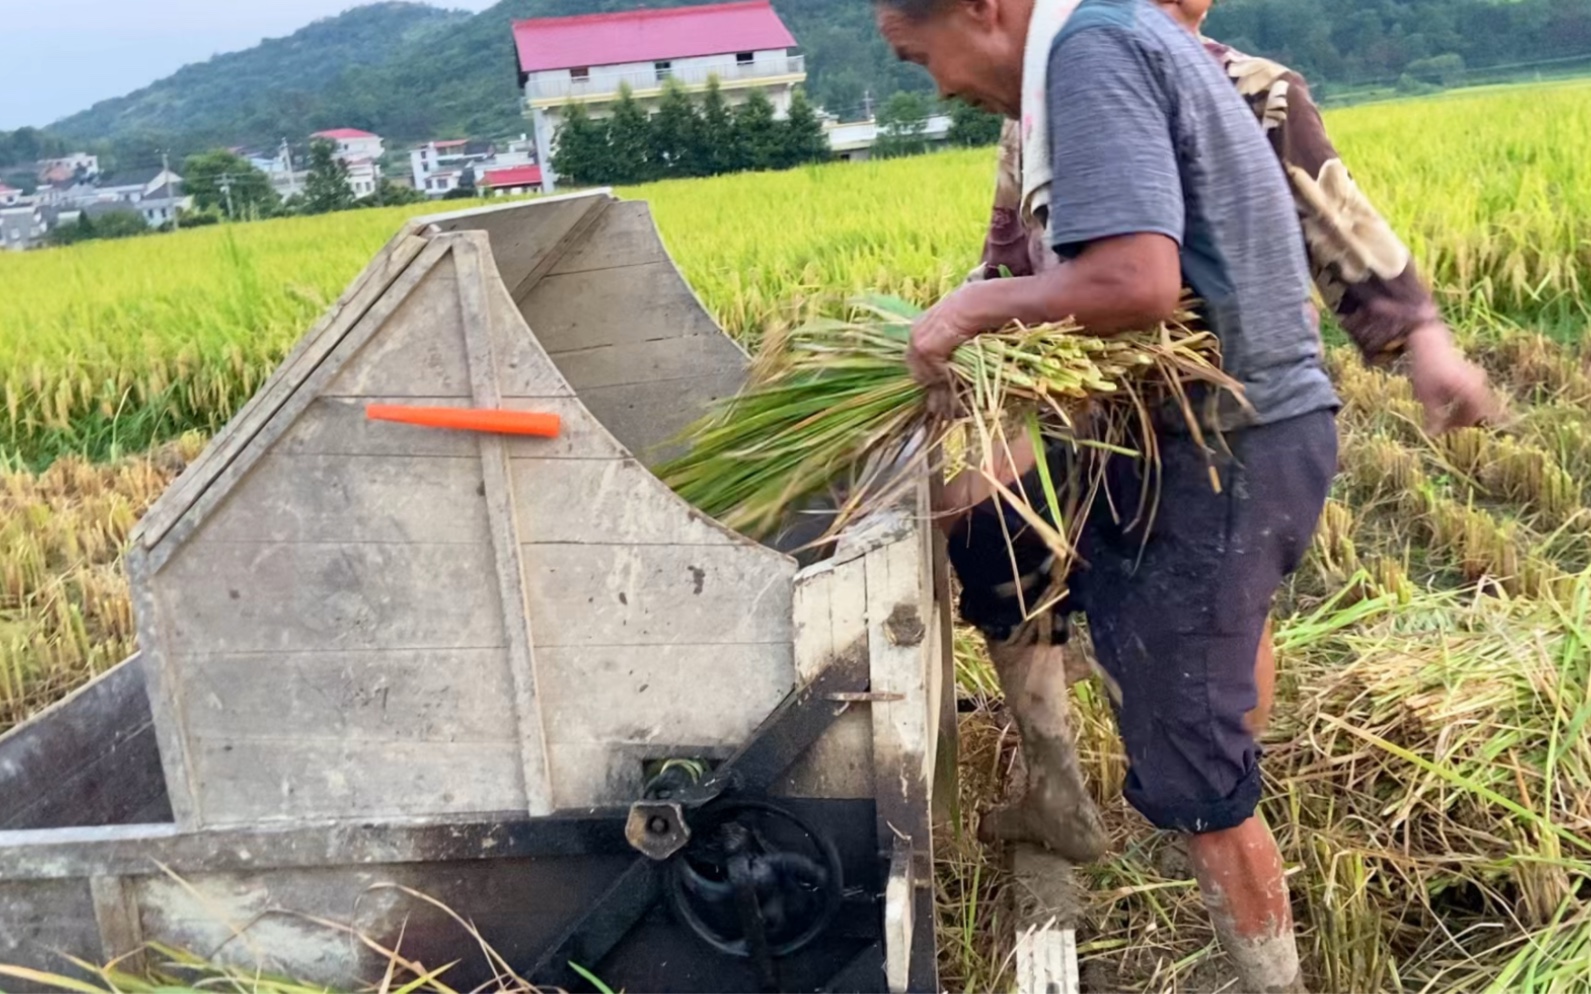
x: 1116, y: 211
x: 1362, y: 269
x: 1366, y: 274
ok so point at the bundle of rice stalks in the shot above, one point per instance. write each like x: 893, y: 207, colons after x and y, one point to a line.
x: 831, y: 402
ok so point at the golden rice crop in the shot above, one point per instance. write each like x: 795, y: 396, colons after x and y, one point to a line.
x: 109, y: 346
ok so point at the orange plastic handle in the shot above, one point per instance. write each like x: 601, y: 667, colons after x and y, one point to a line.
x: 491, y: 420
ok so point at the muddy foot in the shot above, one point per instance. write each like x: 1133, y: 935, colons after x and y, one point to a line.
x: 1064, y: 822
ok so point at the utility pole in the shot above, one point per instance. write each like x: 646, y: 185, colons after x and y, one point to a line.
x: 867, y: 104
x: 226, y: 187
x: 165, y: 167
x: 287, y: 160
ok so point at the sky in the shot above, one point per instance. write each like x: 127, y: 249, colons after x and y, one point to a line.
x: 59, y: 56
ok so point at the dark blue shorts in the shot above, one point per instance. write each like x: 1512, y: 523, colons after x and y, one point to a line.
x: 1176, y: 619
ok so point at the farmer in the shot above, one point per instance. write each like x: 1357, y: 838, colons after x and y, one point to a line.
x: 1149, y: 172
x: 1362, y: 270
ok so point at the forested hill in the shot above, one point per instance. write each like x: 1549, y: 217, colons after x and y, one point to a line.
x: 1357, y: 41
x: 266, y: 91
x: 410, y: 72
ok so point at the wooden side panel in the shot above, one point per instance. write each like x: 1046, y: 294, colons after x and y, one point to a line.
x: 313, y: 349
x: 641, y: 595
x: 333, y: 630
x: 90, y: 760
x: 654, y: 631
x: 42, y: 919
x: 830, y: 620
x: 604, y: 502
x: 607, y: 307
x: 630, y: 336
x: 529, y: 239
x: 368, y: 498
x: 275, y: 597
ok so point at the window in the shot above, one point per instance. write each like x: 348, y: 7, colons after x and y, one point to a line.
x: 744, y: 58
x: 664, y: 69
x: 580, y: 74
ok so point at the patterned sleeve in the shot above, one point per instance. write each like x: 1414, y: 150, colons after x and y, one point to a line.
x: 1364, y: 272
x: 1007, y: 242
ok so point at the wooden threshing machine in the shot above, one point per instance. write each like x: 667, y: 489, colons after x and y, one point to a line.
x: 516, y: 674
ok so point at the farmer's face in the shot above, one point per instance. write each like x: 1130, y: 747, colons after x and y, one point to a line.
x: 972, y: 49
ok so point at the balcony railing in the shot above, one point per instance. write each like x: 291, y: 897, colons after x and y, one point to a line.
x: 601, y: 85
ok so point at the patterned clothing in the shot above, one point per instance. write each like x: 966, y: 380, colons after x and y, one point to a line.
x: 1363, y: 272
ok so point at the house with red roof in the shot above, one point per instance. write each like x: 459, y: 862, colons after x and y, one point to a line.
x: 511, y: 182
x: 10, y: 196
x: 591, y: 58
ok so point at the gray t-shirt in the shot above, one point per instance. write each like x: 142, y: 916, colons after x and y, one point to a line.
x: 1147, y: 135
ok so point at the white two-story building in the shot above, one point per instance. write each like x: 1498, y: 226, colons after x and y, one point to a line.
x: 589, y: 59
x: 361, y: 152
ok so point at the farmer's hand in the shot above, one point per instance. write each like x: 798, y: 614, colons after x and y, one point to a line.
x: 1453, y: 390
x: 935, y: 336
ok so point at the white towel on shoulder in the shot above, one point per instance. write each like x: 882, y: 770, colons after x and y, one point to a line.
x: 1049, y: 16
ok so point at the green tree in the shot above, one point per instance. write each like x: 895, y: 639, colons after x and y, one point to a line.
x: 80, y: 230
x: 629, y: 140
x: 902, y: 125
x: 120, y: 224
x: 803, y: 139
x: 717, y: 147
x: 581, y: 153
x: 675, y: 140
x: 972, y: 127
x: 390, y: 194
x: 758, y: 136
x: 326, y: 188
x: 222, y: 181
x: 1441, y: 70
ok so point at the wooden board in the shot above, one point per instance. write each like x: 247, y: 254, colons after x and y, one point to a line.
x: 387, y: 269
x: 384, y: 272
x: 622, y: 235
x: 637, y: 695
x: 362, y: 498
x: 318, y: 596
x: 529, y: 238
x: 89, y: 760
x: 606, y: 501
x: 444, y: 695
x: 612, y: 306
x: 638, y: 595
x: 295, y: 776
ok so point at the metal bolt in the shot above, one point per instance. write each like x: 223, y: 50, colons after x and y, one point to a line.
x: 657, y: 825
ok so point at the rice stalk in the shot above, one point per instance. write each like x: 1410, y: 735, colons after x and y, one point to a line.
x: 832, y: 401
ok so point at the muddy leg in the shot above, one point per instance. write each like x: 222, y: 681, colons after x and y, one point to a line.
x: 1055, y: 811
x: 1240, y: 876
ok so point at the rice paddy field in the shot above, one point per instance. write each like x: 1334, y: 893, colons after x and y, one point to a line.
x: 1429, y: 764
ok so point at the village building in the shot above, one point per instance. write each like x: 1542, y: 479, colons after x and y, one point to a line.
x: 361, y: 152
x: 590, y: 59
x: 512, y: 182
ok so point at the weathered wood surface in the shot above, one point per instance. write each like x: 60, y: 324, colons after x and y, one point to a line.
x: 1047, y: 898
x: 630, y: 335
x: 91, y: 760
x: 310, y: 351
x: 231, y: 597
x: 489, y: 354
x: 527, y: 242
x: 351, y: 620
